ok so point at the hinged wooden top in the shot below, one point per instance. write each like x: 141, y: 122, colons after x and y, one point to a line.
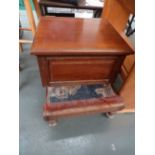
x: 70, y: 36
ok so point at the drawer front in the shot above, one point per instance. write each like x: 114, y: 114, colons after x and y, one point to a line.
x: 80, y: 68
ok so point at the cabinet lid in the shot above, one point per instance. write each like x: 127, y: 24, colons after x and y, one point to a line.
x: 72, y: 36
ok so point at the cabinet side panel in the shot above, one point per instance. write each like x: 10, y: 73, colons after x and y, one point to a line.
x: 43, y: 68
x: 116, y: 68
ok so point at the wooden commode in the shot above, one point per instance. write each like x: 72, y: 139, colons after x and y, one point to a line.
x: 73, y: 52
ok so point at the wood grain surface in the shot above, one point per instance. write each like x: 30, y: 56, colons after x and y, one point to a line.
x: 70, y: 36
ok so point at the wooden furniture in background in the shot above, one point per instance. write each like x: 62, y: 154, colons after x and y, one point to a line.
x: 128, y: 91
x: 117, y: 13
x: 30, y: 16
x: 37, y: 8
x: 79, y: 51
x: 44, y: 4
x: 32, y: 24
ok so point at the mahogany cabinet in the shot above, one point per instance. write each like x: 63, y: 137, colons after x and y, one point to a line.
x: 73, y: 52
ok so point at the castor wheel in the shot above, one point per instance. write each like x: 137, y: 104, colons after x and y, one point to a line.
x: 52, y: 123
x: 109, y: 115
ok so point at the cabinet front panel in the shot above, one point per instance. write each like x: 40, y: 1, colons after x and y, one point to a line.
x: 80, y: 68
